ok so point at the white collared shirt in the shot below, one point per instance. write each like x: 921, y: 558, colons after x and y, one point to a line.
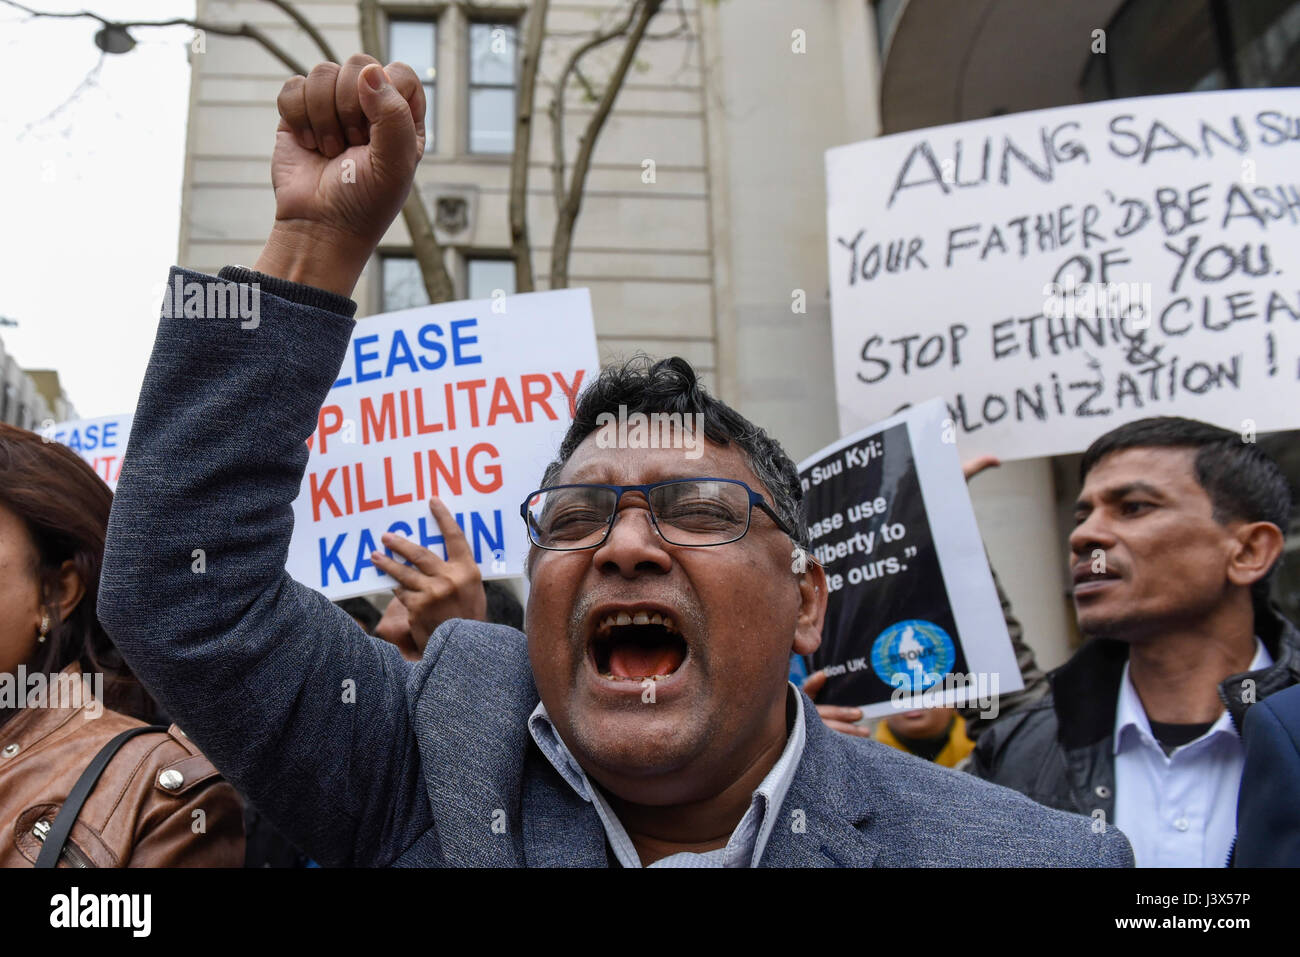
x: 1178, y: 810
x: 748, y: 840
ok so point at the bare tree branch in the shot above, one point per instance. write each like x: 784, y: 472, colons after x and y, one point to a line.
x: 308, y: 27
x: 253, y: 33
x: 557, y: 102
x: 369, y: 21
x: 221, y: 29
x: 587, y: 88
x: 631, y: 24
x: 424, y: 242
x: 89, y: 81
x: 683, y: 26
x: 524, y: 108
x: 568, y: 213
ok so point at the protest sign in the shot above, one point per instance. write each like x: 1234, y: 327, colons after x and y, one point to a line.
x: 913, y: 618
x: 101, y: 442
x: 1056, y: 273
x: 467, y: 401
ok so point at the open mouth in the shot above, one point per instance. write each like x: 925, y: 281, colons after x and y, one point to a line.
x: 636, y: 645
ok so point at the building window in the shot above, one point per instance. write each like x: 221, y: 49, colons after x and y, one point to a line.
x: 491, y: 87
x: 483, y: 277
x: 403, y: 284
x: 415, y: 43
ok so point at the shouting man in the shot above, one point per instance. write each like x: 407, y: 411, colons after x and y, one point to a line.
x: 645, y: 718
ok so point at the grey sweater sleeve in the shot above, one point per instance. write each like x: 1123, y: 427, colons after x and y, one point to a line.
x: 299, y: 709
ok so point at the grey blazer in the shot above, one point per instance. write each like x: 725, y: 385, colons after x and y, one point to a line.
x: 364, y: 759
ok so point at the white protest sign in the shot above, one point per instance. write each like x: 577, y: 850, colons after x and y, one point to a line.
x: 913, y: 618
x: 467, y: 401
x: 101, y: 442
x: 1056, y: 273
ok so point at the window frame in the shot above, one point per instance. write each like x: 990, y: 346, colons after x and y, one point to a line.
x: 512, y: 19
x: 435, y: 16
x: 468, y: 256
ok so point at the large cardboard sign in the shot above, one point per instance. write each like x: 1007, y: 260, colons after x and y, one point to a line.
x: 465, y: 400
x: 100, y: 441
x: 913, y: 618
x: 1056, y: 273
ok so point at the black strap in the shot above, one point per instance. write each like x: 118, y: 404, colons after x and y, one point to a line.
x: 67, y: 816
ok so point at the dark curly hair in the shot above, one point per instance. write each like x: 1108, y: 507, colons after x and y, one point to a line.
x: 642, y: 384
x: 64, y: 506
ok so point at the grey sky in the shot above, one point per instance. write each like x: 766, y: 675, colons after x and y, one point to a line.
x: 90, y: 194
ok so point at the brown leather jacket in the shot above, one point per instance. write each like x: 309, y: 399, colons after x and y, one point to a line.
x: 159, y: 802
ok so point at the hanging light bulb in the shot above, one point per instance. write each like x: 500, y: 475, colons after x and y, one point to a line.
x: 114, y: 39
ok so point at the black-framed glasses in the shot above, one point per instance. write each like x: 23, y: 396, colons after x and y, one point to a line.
x: 698, y: 512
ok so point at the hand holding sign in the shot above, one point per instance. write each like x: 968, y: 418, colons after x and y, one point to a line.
x: 434, y: 590
x: 349, y: 140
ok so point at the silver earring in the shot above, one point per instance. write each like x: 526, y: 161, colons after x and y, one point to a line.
x: 45, y: 628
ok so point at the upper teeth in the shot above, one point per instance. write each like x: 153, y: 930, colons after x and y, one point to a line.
x: 637, y: 618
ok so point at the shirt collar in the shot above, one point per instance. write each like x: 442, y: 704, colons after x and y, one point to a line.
x: 1129, y: 712
x: 748, y: 839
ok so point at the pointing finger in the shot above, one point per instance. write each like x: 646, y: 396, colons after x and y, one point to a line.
x: 453, y: 537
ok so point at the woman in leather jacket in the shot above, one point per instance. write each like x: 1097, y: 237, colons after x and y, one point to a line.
x: 65, y: 692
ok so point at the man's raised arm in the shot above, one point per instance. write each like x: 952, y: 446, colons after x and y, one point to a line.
x: 300, y: 710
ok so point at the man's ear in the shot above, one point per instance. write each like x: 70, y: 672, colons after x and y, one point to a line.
x: 812, y: 609
x: 67, y: 592
x: 1257, y: 548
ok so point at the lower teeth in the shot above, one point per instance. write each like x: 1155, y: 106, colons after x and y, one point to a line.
x: 614, y: 677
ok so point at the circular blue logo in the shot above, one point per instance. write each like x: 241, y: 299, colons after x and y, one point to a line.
x: 912, y: 655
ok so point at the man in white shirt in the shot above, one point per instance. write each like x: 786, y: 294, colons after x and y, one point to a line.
x: 1178, y: 527
x: 1176, y: 784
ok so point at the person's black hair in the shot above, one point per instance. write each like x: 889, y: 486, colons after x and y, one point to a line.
x: 503, y: 607
x: 64, y: 505
x: 1243, y: 483
x: 364, y: 612
x: 642, y: 384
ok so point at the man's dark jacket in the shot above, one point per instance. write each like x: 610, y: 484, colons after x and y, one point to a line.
x: 1059, y: 750
x: 362, y: 758
x: 1268, y: 811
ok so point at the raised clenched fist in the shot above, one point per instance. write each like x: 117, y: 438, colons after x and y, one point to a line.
x: 346, y: 150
